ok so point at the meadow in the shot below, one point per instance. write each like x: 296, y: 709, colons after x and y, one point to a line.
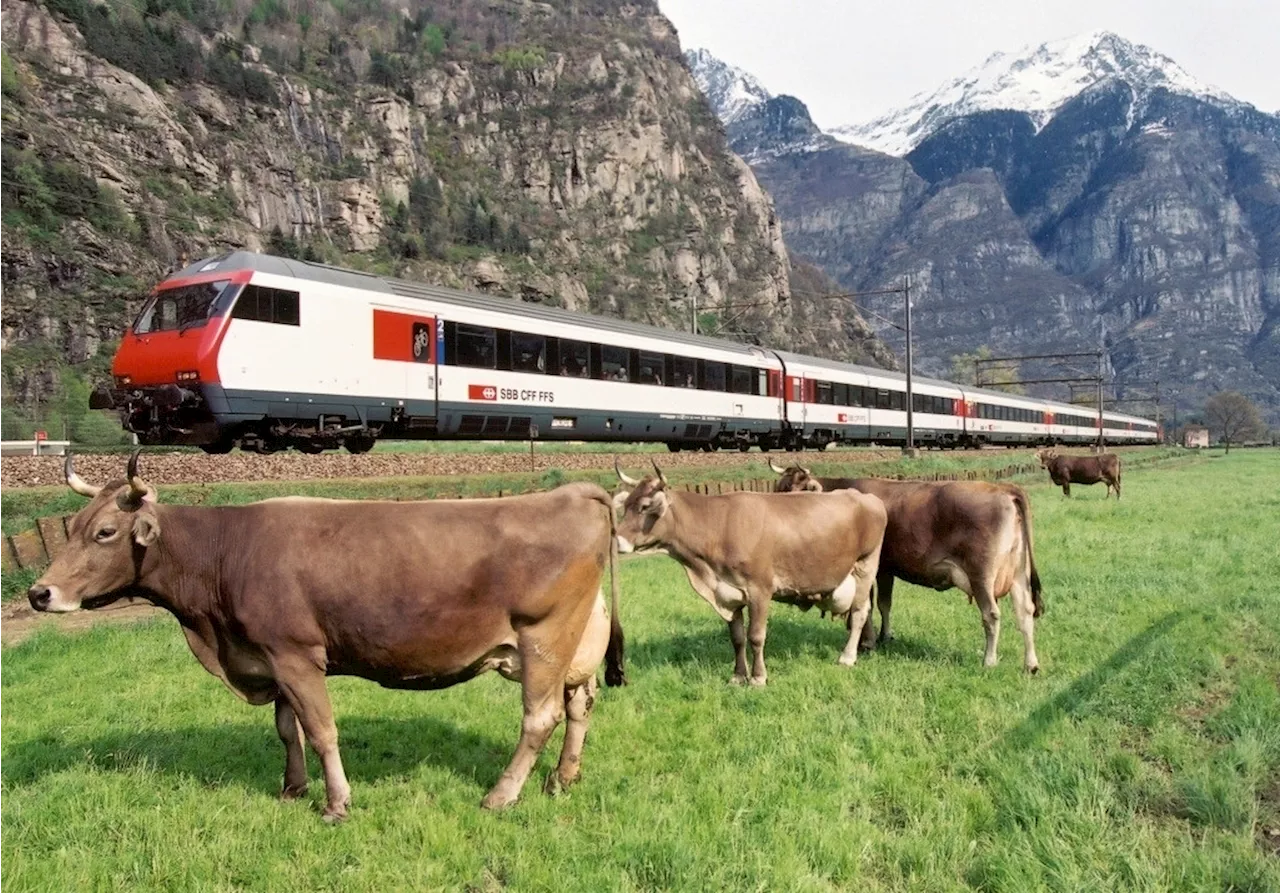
x: 1144, y: 756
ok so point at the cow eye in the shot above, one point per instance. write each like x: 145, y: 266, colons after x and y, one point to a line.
x: 105, y: 533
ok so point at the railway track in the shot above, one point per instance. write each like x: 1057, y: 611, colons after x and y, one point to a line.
x: 185, y: 467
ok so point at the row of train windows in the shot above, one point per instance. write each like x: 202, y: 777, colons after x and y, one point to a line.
x: 834, y: 393
x: 482, y: 347
x: 1010, y: 413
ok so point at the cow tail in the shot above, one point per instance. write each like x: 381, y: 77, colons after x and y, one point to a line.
x: 1024, y: 512
x: 614, y: 672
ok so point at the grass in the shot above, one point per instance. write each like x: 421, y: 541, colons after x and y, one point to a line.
x: 1145, y: 756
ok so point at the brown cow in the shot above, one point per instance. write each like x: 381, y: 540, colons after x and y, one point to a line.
x: 742, y: 550
x: 970, y: 534
x: 1067, y: 470
x: 275, y: 595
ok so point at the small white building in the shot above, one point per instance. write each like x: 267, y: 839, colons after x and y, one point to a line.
x: 1195, y: 437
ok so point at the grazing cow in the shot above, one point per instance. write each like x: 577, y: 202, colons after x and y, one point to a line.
x: 970, y: 534
x: 742, y: 550
x: 275, y: 595
x: 1067, y: 470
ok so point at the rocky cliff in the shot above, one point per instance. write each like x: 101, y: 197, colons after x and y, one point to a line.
x: 552, y: 152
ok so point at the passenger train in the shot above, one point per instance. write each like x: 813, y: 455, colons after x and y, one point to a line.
x: 267, y: 353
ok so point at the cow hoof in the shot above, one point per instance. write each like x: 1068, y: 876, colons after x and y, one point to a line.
x: 334, y: 815
x: 737, y: 680
x: 758, y: 682
x: 555, y: 785
x: 293, y: 791
x: 1033, y: 670
x: 495, y: 801
x: 847, y: 661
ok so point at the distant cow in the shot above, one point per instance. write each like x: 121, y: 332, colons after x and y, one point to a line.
x: 743, y: 550
x: 275, y: 595
x: 970, y: 534
x: 1067, y: 470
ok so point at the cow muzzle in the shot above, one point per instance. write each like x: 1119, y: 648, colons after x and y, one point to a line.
x: 49, y: 599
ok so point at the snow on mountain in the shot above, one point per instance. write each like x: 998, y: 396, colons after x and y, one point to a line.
x: 731, y: 91
x: 1037, y: 81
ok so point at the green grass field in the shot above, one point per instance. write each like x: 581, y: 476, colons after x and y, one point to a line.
x: 1144, y: 756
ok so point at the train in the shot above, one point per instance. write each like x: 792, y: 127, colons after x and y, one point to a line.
x: 267, y: 353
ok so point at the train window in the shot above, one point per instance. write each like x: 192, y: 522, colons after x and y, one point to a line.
x: 528, y: 353
x: 741, y: 382
x: 614, y: 363
x: 187, y: 306
x: 840, y: 394
x: 684, y: 373
x: 882, y: 399
x: 822, y: 392
x: 762, y: 383
x: 650, y: 369
x: 476, y: 346
x: 575, y: 359
x: 712, y: 376
x: 262, y: 304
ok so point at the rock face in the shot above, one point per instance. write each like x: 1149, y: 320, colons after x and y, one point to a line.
x: 556, y: 155
x: 1127, y: 215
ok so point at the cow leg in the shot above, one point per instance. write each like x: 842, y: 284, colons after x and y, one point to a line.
x: 738, y: 635
x: 757, y: 626
x: 578, y: 702
x: 990, y: 621
x: 544, y: 708
x: 1024, y: 616
x: 295, y: 760
x: 884, y: 600
x: 859, y: 615
x: 302, y: 682
x: 1066, y: 489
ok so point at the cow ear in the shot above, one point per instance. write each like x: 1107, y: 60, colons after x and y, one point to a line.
x: 660, y: 504
x: 812, y: 485
x: 146, y: 529
x: 620, y: 498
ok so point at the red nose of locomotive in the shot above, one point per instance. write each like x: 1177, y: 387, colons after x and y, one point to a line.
x: 168, y: 359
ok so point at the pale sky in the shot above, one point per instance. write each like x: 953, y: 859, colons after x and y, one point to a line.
x: 851, y: 61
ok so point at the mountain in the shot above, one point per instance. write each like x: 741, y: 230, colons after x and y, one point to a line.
x: 1036, y: 81
x: 1127, y: 213
x: 730, y: 91
x: 556, y: 153
x: 758, y: 124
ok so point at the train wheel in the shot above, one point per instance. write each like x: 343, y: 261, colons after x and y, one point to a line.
x: 219, y: 447
x: 673, y: 447
x: 359, y: 443
x: 744, y: 446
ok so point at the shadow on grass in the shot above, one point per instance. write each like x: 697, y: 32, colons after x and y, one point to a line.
x: 372, y: 748
x: 1079, y: 694
x: 792, y: 634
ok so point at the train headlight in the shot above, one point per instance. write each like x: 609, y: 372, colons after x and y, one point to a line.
x: 189, y: 376
x: 124, y: 380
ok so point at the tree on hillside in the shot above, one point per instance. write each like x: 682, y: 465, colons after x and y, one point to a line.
x: 964, y: 370
x: 1232, y: 417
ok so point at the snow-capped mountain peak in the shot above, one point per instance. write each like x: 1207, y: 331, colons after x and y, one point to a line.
x: 731, y: 91
x: 1038, y: 81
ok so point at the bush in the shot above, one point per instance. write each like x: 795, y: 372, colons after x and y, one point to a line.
x: 10, y: 84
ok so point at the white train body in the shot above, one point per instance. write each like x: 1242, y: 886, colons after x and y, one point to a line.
x: 270, y: 353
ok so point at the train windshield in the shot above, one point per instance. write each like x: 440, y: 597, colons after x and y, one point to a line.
x: 185, y: 307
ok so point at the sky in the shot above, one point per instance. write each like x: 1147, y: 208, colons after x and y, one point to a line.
x: 852, y: 61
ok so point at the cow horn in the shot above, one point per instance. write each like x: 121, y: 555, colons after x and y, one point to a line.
x: 662, y: 477
x: 622, y: 475
x: 138, y: 488
x: 776, y: 469
x: 77, y: 483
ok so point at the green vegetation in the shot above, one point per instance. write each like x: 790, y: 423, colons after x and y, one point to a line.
x: 10, y: 83
x: 40, y: 194
x: 150, y: 43
x: 1145, y: 756
x: 523, y: 58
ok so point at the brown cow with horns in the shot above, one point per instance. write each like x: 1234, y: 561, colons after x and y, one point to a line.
x: 744, y: 550
x: 276, y: 595
x: 970, y: 534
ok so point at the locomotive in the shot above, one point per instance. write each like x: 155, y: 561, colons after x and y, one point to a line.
x: 268, y: 353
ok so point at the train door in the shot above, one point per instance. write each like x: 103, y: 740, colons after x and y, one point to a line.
x: 413, y: 345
